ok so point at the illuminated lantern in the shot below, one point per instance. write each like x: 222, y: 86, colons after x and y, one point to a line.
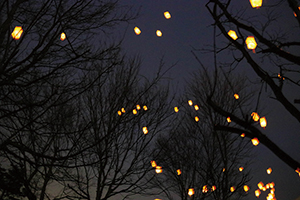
x: 176, y: 109
x: 145, y: 108
x: 243, y: 135
x: 224, y: 169
x: 178, y: 172
x: 158, y: 33
x: 251, y: 43
x: 255, y: 116
x: 167, y: 15
x: 295, y: 13
x: 255, y: 141
x: 228, y: 119
x: 270, y: 196
x: 145, y: 130
x: 241, y: 169
x: 213, y: 188
x: 138, y: 107
x: 232, y: 189
x: 246, y: 188
x: 256, y: 3
x: 269, y: 170
x: 119, y: 112
x: 153, y: 163
x: 204, y: 189
x: 272, y: 190
x: 298, y: 171
x: 191, y: 192
x: 196, y: 107
x: 268, y: 185
x: 17, y: 32
x: 190, y: 102
x: 257, y: 192
x: 197, y: 119
x: 134, y: 111
x: 272, y: 185
x: 158, y: 169
x: 62, y: 36
x: 260, y: 185
x: 123, y: 110
x: 232, y: 34
x: 236, y: 96
x: 263, y: 122
x: 137, y: 30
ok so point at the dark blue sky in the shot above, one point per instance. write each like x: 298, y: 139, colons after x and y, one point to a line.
x: 190, y: 27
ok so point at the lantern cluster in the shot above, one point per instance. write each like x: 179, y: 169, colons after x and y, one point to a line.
x: 262, y: 120
x: 262, y: 187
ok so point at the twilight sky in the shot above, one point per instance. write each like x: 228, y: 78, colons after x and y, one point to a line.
x: 189, y: 27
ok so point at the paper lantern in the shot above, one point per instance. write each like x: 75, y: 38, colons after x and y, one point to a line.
x: 251, y: 43
x: 228, y: 119
x: 246, y: 188
x: 176, y: 109
x: 255, y: 141
x: 236, y: 96
x: 138, y: 107
x: 158, y: 169
x: 190, y: 102
x: 145, y: 130
x: 137, y: 30
x: 255, y: 116
x: 232, y: 34
x: 119, y: 112
x: 232, y: 189
x: 145, y: 107
x: 256, y: 3
x: 213, y: 188
x: 241, y: 169
x: 263, y: 122
x: 123, y: 110
x: 196, y: 107
x: 153, y: 163
x: 191, y: 192
x: 178, y: 172
x: 269, y: 170
x: 62, y: 36
x: 17, y: 32
x: 243, y: 135
x: 167, y: 15
x: 158, y: 33
x: 257, y: 193
x: 204, y: 189
x: 197, y: 119
x: 260, y: 185
x: 134, y: 111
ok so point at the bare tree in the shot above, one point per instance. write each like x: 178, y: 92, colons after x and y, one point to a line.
x: 275, y: 61
x: 193, y: 155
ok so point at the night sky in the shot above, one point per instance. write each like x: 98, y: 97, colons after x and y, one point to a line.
x: 190, y: 27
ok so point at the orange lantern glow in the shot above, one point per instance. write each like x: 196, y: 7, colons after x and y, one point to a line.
x: 269, y: 170
x: 119, y: 112
x: 145, y: 108
x: 137, y: 31
x: 213, y: 188
x: 272, y: 185
x: 196, y: 107
x: 232, y: 189
x: 241, y: 169
x: 62, y: 36
x: 298, y: 171
x: 158, y: 33
x: 167, y: 15
x: 224, y: 169
x: 145, y: 130
x: 138, y: 107
x: 134, y: 111
x: 158, y: 169
x: 255, y: 141
x: 246, y: 188
x: 257, y: 193
x: 153, y: 163
x: 123, y: 110
x: 272, y: 191
x: 260, y: 185
x: 197, y: 119
x: 243, y: 135
x: 256, y: 3
x: 190, y: 102
x: 178, y: 172
x: 263, y: 122
x: 295, y: 13
x: 191, y: 192
x: 204, y: 189
x: 232, y: 34
x: 255, y: 116
x: 176, y: 109
x: 17, y: 32
x: 251, y: 43
x: 228, y: 119
x: 236, y: 96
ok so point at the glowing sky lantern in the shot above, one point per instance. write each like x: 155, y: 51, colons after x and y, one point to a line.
x: 138, y: 107
x: 236, y: 96
x: 190, y: 102
x: 178, y: 172
x: 255, y: 116
x: 196, y: 107
x: 158, y: 33
x: 158, y: 169
x: 17, y: 32
x: 232, y: 189
x: 246, y: 188
x: 243, y: 135
x: 204, y: 189
x: 191, y: 192
x: 62, y: 36
x: 260, y: 185
x: 145, y: 107
x: 145, y: 130
x: 269, y: 170
x: 176, y: 109
x: 228, y: 119
x: 137, y: 30
x: 232, y: 34
x: 134, y: 111
x: 255, y: 141
x: 256, y: 3
x: 123, y: 110
x: 213, y: 188
x: 167, y: 15
x: 119, y: 112
x: 197, y: 119
x: 298, y: 171
x: 257, y: 193
x: 153, y: 163
x: 263, y: 122
x: 251, y: 43
x: 241, y: 169
x: 272, y: 185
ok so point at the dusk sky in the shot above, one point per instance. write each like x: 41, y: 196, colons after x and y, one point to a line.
x: 190, y: 27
